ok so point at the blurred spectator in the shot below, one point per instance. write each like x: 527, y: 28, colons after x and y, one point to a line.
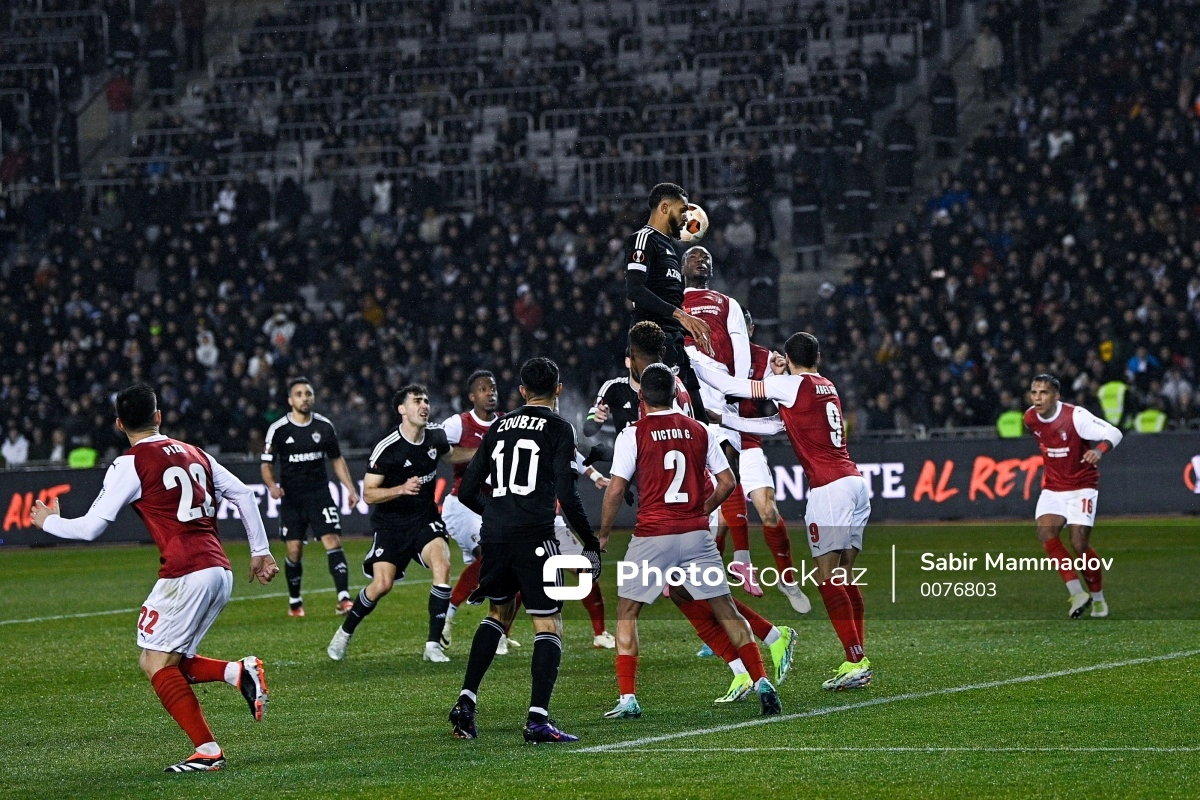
x: 988, y: 56
x: 740, y: 236
x: 15, y: 448
x: 118, y: 93
x: 193, y: 14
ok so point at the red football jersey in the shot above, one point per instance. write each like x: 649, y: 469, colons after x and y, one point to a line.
x: 1063, y: 439
x: 759, y: 367
x: 177, y: 505
x: 669, y: 452
x: 815, y: 428
x: 465, y: 430
x: 714, y: 308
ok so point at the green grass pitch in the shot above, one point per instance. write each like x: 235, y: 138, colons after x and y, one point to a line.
x: 77, y: 718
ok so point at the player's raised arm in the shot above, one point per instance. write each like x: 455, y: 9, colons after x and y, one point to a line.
x: 780, y: 388
x: 121, y: 486
x: 739, y: 337
x: 1093, y: 429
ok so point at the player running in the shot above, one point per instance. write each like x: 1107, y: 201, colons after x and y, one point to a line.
x: 1070, y: 481
x: 300, y: 441
x: 668, y: 452
x: 173, y: 487
x: 838, y: 503
x: 400, y: 483
x: 527, y: 458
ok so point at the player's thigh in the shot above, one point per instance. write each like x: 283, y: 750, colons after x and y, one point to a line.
x: 1052, y: 504
x: 388, y: 546
x: 431, y: 545
x: 322, y: 513
x: 698, y: 555
x: 831, y: 515
x: 645, y: 568
x: 568, y: 545
x: 464, y: 525
x: 1081, y: 507
x: 756, y: 473
x: 497, y: 581
x: 179, y: 611
x: 293, y: 520
x: 528, y: 564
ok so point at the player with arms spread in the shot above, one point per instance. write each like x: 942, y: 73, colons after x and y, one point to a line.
x: 838, y: 500
x: 654, y: 283
x: 1070, y: 485
x: 173, y: 487
x: 668, y: 452
x: 527, y: 458
x: 300, y: 441
x: 400, y: 483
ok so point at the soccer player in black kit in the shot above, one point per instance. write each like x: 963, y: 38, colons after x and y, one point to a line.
x: 526, y: 456
x: 300, y: 441
x: 400, y: 483
x: 654, y: 284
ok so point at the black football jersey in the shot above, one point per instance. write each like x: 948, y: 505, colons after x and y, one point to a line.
x: 299, y: 452
x: 527, y: 458
x: 397, y: 459
x: 622, y: 400
x: 653, y: 252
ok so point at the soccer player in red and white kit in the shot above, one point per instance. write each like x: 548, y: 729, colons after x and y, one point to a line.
x: 173, y: 487
x: 668, y: 452
x: 838, y: 500
x: 1070, y: 481
x: 730, y: 342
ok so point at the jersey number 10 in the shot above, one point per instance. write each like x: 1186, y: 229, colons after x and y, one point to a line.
x: 512, y: 482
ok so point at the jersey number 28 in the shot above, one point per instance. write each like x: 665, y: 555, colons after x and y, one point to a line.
x: 178, y: 476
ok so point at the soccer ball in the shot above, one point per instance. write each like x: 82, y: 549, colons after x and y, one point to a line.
x: 695, y: 224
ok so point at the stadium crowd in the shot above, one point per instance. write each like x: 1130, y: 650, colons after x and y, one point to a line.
x: 1066, y: 241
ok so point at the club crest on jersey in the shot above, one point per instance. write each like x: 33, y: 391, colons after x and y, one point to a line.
x: 432, y: 452
x: 1064, y: 435
x: 316, y: 436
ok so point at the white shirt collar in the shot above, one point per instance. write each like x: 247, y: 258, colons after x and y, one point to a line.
x: 1054, y: 416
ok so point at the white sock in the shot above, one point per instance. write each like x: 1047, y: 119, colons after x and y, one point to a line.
x: 742, y: 556
x: 468, y: 694
x: 738, y: 667
x: 209, y: 749
x: 451, y: 610
x: 343, y: 596
x: 1074, y: 587
x: 1098, y: 597
x: 625, y: 697
x: 772, y: 637
x: 233, y: 673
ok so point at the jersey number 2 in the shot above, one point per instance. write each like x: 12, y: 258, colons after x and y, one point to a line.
x: 677, y: 461
x: 178, y: 476
x: 517, y: 487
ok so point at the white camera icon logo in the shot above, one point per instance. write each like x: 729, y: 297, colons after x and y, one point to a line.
x: 551, y: 576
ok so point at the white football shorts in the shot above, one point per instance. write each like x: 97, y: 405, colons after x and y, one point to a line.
x: 837, y: 514
x: 179, y: 611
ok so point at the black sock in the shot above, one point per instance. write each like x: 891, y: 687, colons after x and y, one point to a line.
x: 483, y: 650
x: 362, y: 607
x: 547, y: 655
x: 439, y: 601
x: 340, y: 572
x: 293, y: 570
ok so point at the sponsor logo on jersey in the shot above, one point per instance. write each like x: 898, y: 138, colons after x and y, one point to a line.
x: 1058, y: 452
x: 674, y: 273
x: 296, y: 458
x: 316, y: 436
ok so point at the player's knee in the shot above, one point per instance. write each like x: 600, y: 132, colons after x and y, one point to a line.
x: 769, y: 515
x: 381, y: 586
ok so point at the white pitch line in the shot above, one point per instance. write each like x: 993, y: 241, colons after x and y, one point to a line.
x: 878, y: 701
x: 111, y: 612
x: 1063, y: 749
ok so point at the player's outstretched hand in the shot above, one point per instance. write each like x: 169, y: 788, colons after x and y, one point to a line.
x: 263, y: 568
x: 698, y: 329
x: 41, y: 512
x: 601, y: 415
x: 594, y: 557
